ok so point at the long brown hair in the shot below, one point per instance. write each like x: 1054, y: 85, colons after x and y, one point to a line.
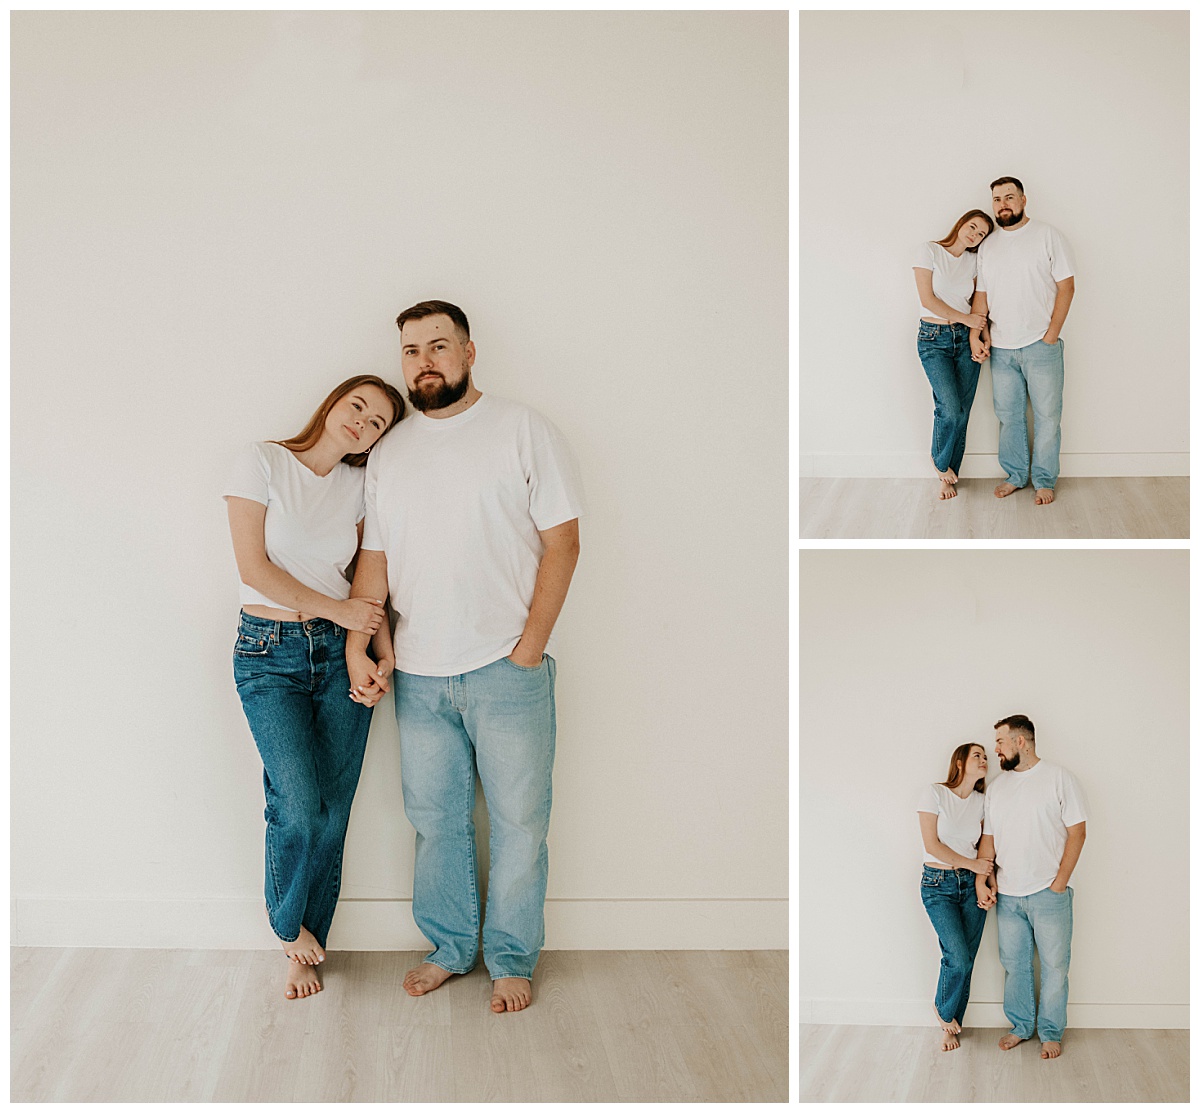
x: 948, y: 241
x: 958, y: 766
x: 311, y: 433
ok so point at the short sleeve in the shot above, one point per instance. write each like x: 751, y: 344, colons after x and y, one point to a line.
x: 555, y: 486
x: 249, y: 476
x: 923, y: 257
x: 928, y: 801
x: 1072, y: 801
x: 1062, y: 265
x: 372, y: 535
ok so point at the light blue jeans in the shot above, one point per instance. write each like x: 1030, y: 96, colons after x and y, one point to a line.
x: 1034, y: 372
x: 498, y: 719
x: 1042, y: 919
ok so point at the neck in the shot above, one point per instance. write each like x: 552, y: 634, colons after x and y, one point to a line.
x: 1020, y: 224
x: 1026, y: 762
x: 323, y: 457
x: 965, y: 787
x: 464, y: 403
x: 956, y: 249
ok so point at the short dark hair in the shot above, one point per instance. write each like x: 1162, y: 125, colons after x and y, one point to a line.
x: 1018, y: 724
x: 1015, y: 181
x: 432, y: 309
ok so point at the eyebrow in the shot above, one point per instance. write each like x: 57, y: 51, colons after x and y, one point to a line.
x: 366, y: 407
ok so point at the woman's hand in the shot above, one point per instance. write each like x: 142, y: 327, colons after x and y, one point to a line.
x: 982, y: 866
x: 363, y: 615
x: 974, y: 320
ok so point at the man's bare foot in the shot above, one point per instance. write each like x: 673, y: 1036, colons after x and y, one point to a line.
x: 1004, y: 490
x: 949, y: 1041
x: 304, y: 948
x: 948, y: 490
x: 1007, y: 1043
x: 424, y: 978
x: 1051, y: 1049
x: 1040, y: 498
x: 302, y: 981
x: 511, y: 995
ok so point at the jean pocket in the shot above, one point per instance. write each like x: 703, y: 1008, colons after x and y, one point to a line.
x: 927, y: 332
x: 931, y: 879
x: 525, y: 668
x: 246, y: 646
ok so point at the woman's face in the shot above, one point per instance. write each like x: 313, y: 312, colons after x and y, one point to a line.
x: 359, y: 418
x: 973, y: 233
x: 976, y: 765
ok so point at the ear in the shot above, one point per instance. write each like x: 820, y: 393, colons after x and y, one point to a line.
x: 470, y: 353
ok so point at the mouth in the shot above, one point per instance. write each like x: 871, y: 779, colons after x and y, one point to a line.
x: 351, y: 432
x: 429, y: 375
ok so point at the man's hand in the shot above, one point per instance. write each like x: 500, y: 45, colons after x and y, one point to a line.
x: 985, y: 894
x: 1056, y: 888
x: 979, y: 351
x: 524, y: 658
x: 368, y: 679
x: 1051, y: 339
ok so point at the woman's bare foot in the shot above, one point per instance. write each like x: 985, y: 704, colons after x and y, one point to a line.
x: 949, y: 1041
x: 1004, y: 490
x: 950, y: 1025
x: 949, y: 475
x: 1042, y: 496
x: 948, y: 490
x: 1007, y: 1043
x: 302, y: 981
x: 424, y: 978
x: 1051, y: 1049
x: 305, y: 948
x: 511, y: 995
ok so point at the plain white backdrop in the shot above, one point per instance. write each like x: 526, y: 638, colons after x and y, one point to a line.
x: 217, y: 217
x: 904, y: 120
x: 907, y: 654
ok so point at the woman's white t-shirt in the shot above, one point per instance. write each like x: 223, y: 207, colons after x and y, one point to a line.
x: 953, y: 279
x: 959, y: 821
x: 311, y: 524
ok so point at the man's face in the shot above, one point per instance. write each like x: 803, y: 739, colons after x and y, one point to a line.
x: 1008, y: 203
x: 436, y: 362
x: 1006, y: 748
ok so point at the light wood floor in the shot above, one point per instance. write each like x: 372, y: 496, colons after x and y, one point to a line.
x: 140, y: 1025
x: 1143, y: 507
x: 855, y: 1063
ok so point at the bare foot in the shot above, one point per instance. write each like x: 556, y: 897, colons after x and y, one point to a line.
x: 424, y: 978
x: 304, y: 948
x: 1004, y: 490
x: 1051, y: 1049
x: 302, y: 981
x: 1043, y: 496
x: 1007, y: 1043
x: 948, y: 490
x: 950, y: 1025
x: 949, y: 1041
x: 511, y: 995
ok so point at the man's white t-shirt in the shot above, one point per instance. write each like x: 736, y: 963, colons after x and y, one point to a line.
x: 959, y: 821
x: 1027, y: 814
x: 1019, y: 270
x: 953, y: 279
x: 311, y: 524
x: 455, y: 504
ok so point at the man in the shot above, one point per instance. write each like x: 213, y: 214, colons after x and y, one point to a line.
x: 1026, y: 283
x: 472, y: 526
x: 1034, y: 825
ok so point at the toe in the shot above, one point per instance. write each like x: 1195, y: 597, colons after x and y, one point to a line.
x: 498, y: 1005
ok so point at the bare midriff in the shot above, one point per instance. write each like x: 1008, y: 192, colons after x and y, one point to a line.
x: 275, y: 614
x: 935, y: 320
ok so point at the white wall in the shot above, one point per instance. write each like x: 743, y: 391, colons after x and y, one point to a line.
x: 217, y: 218
x: 904, y: 120
x: 905, y: 655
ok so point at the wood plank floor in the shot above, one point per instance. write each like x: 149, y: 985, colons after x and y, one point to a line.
x: 140, y: 1025
x: 1126, y: 507
x: 856, y: 1063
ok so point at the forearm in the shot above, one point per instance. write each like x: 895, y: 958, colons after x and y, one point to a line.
x: 939, y: 308
x: 979, y: 305
x: 1058, y: 317
x: 370, y: 582
x: 1070, y: 858
x: 939, y: 850
x: 381, y: 641
x: 549, y: 594
x: 285, y: 591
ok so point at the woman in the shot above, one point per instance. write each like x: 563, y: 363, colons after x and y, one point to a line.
x: 946, y: 270
x: 296, y: 515
x: 951, y: 815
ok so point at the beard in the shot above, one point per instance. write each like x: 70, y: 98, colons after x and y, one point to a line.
x: 1015, y: 217
x: 437, y: 394
x: 1008, y: 764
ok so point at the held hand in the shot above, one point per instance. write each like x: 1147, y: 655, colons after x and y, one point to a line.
x: 363, y: 615
x: 975, y: 320
x: 362, y: 673
x: 979, y: 351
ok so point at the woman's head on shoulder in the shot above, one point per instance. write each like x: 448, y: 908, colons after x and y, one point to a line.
x: 969, y: 231
x: 354, y: 415
x: 967, y: 763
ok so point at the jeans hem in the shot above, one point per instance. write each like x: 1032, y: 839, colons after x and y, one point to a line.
x: 443, y: 966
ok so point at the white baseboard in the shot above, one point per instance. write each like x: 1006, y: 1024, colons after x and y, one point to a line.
x: 978, y: 465
x: 387, y: 925
x: 990, y: 1014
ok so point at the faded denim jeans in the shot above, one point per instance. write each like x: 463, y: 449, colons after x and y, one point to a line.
x: 292, y: 680
x: 949, y: 898
x: 1035, y: 372
x: 1042, y: 920
x: 500, y: 720
x: 945, y: 353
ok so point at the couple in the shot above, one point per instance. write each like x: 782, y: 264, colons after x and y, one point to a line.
x: 465, y: 518
x: 1006, y: 295
x: 1013, y: 847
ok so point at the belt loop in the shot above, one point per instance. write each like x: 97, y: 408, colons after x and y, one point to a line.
x: 277, y: 634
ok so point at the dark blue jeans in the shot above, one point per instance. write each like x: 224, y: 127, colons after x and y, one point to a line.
x: 949, y: 898
x: 294, y: 687
x: 945, y: 352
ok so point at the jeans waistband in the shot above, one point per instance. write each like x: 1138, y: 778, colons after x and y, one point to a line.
x: 271, y: 626
x: 941, y: 869
x: 950, y: 328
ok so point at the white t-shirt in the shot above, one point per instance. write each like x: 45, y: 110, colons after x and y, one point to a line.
x: 959, y: 822
x: 456, y: 503
x: 1027, y: 815
x: 953, y: 279
x: 311, y: 525
x: 1019, y: 271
